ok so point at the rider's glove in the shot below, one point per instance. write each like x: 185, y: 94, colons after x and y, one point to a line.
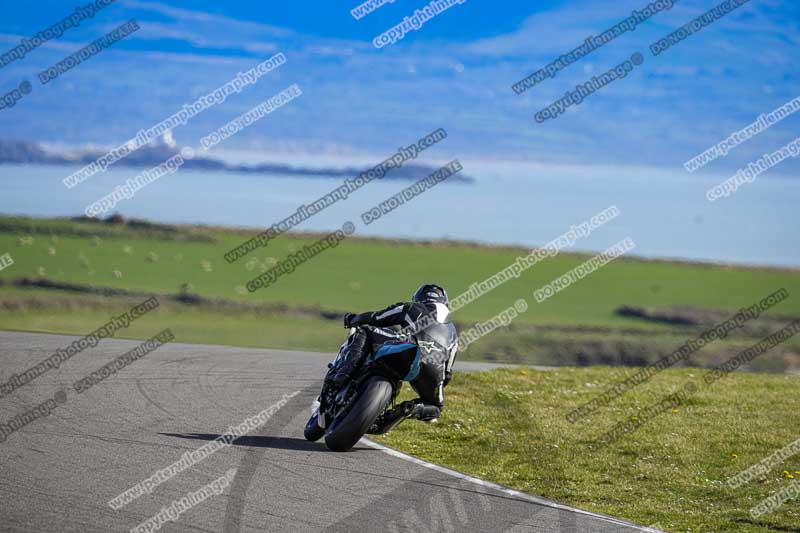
x: 447, y: 377
x: 347, y: 318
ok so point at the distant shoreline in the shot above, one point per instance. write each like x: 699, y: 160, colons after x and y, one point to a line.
x: 16, y: 152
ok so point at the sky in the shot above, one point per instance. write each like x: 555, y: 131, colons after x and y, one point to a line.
x: 360, y: 102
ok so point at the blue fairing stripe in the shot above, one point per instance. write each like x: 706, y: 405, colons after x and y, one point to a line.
x: 412, y: 374
x: 388, y: 349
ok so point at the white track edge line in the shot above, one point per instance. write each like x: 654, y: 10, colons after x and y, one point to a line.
x: 506, y: 490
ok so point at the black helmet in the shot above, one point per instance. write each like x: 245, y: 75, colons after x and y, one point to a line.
x: 430, y: 293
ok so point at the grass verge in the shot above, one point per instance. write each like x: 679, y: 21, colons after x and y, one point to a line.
x: 508, y: 426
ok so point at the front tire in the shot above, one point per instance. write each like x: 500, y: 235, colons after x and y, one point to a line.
x: 345, y: 431
x: 312, y: 431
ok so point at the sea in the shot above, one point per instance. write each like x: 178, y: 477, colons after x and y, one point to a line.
x: 666, y: 214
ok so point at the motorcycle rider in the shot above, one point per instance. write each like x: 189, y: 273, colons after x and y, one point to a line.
x: 427, y: 330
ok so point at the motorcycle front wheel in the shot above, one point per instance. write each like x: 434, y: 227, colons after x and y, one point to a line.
x: 312, y: 431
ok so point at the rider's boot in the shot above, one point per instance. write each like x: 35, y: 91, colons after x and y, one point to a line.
x: 426, y: 412
x: 356, y: 352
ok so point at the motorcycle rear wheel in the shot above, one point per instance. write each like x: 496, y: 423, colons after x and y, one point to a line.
x: 346, y: 430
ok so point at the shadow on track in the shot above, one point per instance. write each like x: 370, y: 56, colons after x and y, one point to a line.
x: 265, y: 441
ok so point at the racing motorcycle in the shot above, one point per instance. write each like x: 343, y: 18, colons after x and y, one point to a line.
x: 360, y: 406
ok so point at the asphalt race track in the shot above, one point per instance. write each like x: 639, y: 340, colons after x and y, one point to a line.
x: 59, y: 472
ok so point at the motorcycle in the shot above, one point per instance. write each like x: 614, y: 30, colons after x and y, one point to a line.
x: 343, y: 415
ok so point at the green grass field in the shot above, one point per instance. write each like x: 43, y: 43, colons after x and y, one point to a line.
x: 509, y: 426
x: 39, y: 310
x: 364, y: 274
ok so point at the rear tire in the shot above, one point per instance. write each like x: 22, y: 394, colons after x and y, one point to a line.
x: 345, y: 431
